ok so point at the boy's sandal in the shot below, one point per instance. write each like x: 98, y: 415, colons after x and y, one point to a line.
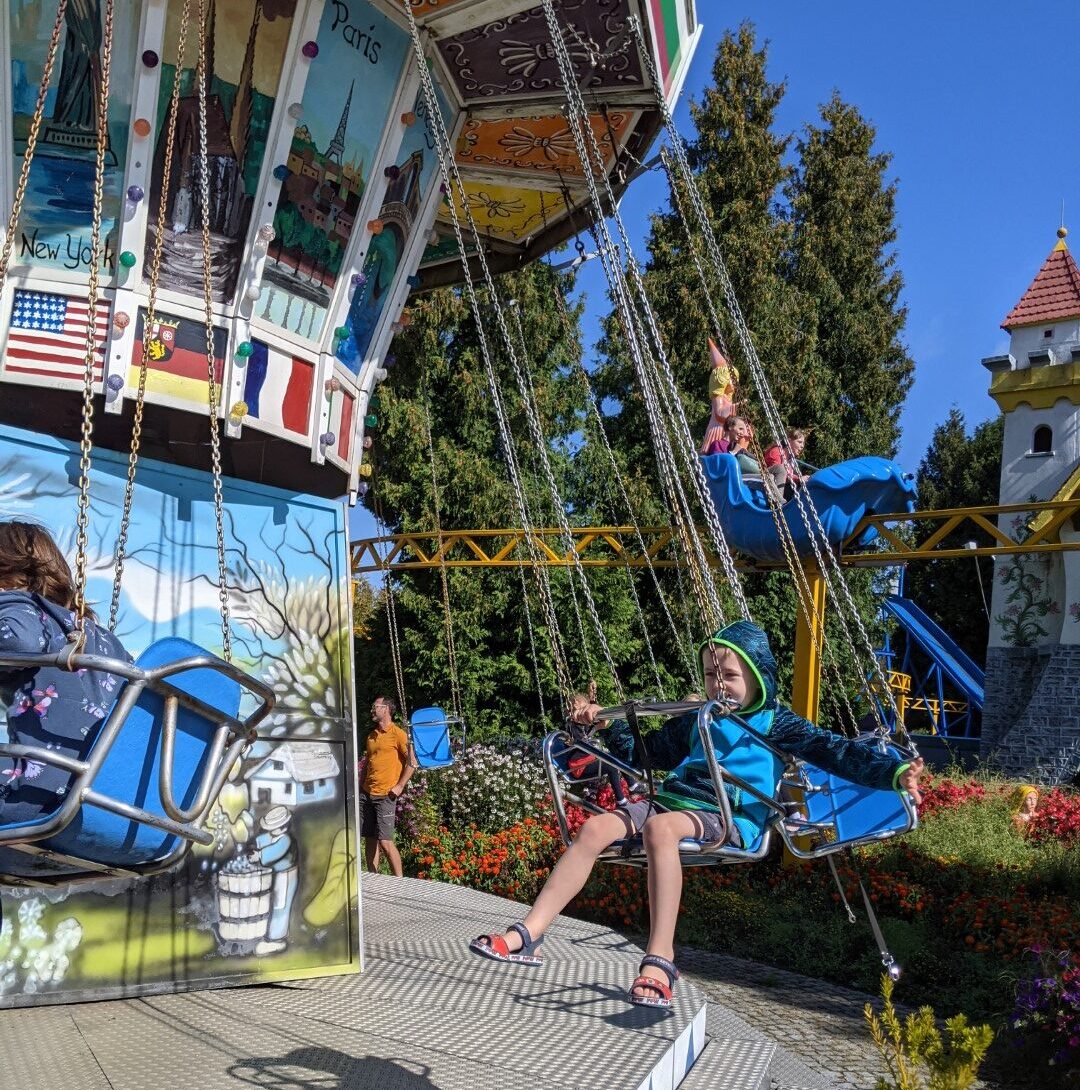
x: 662, y: 996
x: 494, y: 947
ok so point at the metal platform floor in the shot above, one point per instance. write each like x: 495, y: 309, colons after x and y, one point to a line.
x: 424, y: 1014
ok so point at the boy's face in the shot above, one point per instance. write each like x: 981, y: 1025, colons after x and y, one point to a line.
x: 727, y: 675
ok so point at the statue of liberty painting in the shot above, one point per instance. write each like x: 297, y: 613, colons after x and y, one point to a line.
x: 72, y: 130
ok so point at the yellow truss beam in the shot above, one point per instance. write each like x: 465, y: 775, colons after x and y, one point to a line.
x: 920, y: 535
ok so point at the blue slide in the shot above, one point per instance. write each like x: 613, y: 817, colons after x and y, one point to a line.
x: 842, y: 494
x: 954, y: 662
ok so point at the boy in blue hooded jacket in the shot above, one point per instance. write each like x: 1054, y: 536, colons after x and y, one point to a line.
x: 738, y: 666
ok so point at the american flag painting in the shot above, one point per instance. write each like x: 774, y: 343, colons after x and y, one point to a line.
x: 47, y: 336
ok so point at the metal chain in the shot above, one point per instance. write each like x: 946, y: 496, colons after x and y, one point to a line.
x: 86, y: 437
x: 202, y: 75
x: 532, y: 645
x: 31, y: 141
x: 593, y: 165
x: 583, y: 640
x: 452, y: 178
x: 536, y: 431
x: 391, y: 620
x: 120, y: 552
x: 451, y: 650
x: 616, y: 475
x: 830, y: 569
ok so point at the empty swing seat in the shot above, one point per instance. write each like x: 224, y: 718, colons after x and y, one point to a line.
x: 430, y: 728
x: 156, y: 766
x: 841, y: 814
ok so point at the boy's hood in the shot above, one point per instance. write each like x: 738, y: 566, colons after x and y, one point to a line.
x: 750, y: 643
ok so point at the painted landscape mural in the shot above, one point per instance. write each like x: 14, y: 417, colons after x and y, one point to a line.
x: 244, y: 65
x: 346, y: 104
x: 275, y: 892
x: 54, y: 232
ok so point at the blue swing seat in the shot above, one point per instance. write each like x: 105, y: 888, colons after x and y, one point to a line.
x: 842, y: 814
x: 430, y: 728
x: 157, y: 764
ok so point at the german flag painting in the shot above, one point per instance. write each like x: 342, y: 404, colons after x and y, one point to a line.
x: 176, y: 358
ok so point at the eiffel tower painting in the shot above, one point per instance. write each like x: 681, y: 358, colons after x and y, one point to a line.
x: 336, y: 149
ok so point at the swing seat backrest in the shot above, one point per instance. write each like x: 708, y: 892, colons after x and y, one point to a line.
x: 125, y: 767
x: 431, y: 738
x: 851, y: 814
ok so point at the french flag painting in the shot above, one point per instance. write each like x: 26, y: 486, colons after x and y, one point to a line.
x: 278, y: 388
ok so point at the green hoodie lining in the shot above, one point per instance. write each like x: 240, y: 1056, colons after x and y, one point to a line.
x: 717, y: 642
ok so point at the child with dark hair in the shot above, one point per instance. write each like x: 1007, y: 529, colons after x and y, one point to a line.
x: 739, y: 667
x: 45, y: 706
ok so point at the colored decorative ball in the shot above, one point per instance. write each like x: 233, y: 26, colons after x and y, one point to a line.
x: 115, y: 382
x: 333, y: 385
x: 244, y: 349
x: 364, y: 469
x: 328, y: 438
x: 396, y: 327
x: 408, y: 118
x: 442, y: 188
x: 375, y: 226
x: 150, y: 58
x: 371, y: 421
x: 267, y: 233
x: 341, y: 332
x: 310, y: 50
x: 390, y: 361
x: 295, y: 110
x: 393, y: 172
x: 253, y: 292
x: 141, y: 127
x: 239, y: 410
x: 121, y: 320
x: 362, y: 488
x: 128, y: 259
x: 413, y: 281
x: 281, y: 172
x: 359, y: 279
x: 380, y: 374
x: 368, y: 442
x: 135, y: 193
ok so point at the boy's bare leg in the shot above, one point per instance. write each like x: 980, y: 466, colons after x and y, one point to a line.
x: 661, y: 835
x: 570, y: 874
x: 371, y: 854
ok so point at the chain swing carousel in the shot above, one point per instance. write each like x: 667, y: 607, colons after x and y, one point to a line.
x: 218, y: 210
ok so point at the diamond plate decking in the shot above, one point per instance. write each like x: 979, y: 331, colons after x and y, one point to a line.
x: 424, y: 1014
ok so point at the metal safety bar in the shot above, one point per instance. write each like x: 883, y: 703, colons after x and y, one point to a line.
x: 695, y: 852
x: 231, y: 739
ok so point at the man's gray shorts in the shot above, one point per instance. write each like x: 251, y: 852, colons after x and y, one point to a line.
x: 377, y: 816
x: 712, y: 824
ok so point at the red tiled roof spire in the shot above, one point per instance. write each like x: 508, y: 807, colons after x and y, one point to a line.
x: 1053, y: 294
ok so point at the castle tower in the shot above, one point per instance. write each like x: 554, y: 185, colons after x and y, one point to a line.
x: 336, y: 149
x: 1031, y: 723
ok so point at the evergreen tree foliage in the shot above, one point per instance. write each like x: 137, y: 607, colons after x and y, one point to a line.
x: 844, y: 229
x: 960, y: 469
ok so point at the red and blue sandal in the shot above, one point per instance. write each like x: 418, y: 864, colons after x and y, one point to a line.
x: 494, y: 947
x: 662, y: 991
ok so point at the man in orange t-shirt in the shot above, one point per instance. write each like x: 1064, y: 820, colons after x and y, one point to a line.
x: 390, y: 765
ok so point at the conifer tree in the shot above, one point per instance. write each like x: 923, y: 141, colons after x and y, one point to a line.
x: 844, y: 230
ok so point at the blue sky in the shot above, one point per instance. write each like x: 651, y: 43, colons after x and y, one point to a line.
x: 974, y: 100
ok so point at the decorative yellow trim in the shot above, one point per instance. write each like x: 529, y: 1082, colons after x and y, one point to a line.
x: 1040, y: 387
